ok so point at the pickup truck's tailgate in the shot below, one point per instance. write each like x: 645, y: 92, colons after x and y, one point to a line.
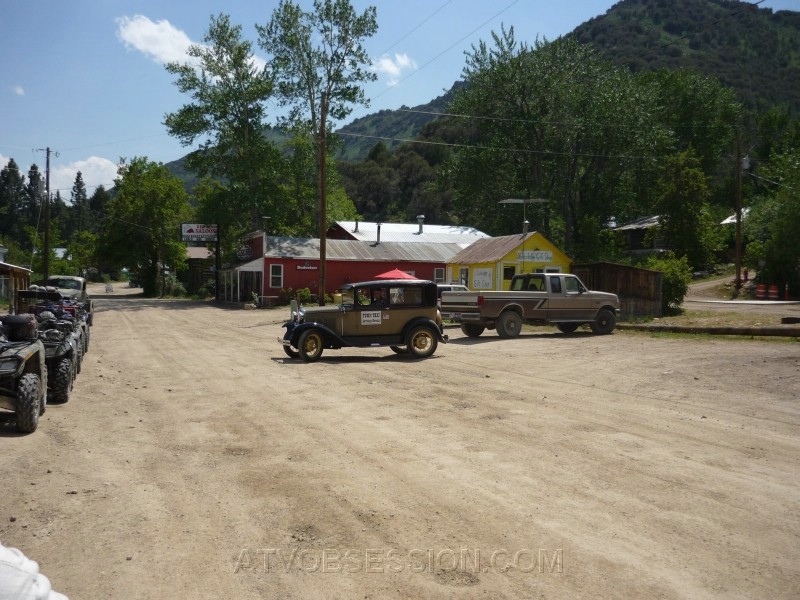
x: 455, y: 303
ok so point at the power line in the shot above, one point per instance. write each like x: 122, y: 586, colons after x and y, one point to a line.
x: 446, y: 50
x: 504, y: 149
x: 533, y: 121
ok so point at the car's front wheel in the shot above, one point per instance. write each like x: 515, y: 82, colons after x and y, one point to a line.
x: 421, y: 341
x: 567, y: 327
x: 291, y: 352
x: 310, y: 345
x: 604, y: 323
x: 399, y: 349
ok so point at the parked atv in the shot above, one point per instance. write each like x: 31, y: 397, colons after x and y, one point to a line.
x: 23, y: 371
x: 70, y: 317
x: 63, y: 344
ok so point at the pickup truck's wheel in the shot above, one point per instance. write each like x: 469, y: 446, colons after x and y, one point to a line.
x: 567, y: 327
x: 399, y: 349
x: 604, y: 322
x: 472, y: 329
x: 509, y: 324
x: 29, y: 402
x: 310, y: 345
x: 62, y: 376
x: 421, y: 341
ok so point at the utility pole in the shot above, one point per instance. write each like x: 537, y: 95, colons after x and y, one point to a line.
x: 738, y: 257
x: 46, y: 258
x: 323, y: 194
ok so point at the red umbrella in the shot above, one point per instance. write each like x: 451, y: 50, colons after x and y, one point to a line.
x: 395, y: 274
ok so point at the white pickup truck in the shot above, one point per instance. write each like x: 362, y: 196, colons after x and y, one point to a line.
x: 535, y: 298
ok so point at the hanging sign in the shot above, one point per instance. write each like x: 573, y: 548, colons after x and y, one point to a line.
x: 198, y: 232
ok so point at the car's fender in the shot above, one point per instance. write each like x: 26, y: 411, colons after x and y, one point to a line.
x: 295, y: 330
x: 428, y: 323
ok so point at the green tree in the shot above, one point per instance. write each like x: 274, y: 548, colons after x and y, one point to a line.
x: 772, y: 226
x: 319, y: 64
x: 551, y: 121
x: 227, y: 112
x: 12, y: 198
x: 682, y: 205
x: 80, y: 214
x: 82, y: 250
x: 699, y: 113
x: 97, y: 206
x: 143, y: 228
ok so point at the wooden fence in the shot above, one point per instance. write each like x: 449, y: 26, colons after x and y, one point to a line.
x: 639, y: 290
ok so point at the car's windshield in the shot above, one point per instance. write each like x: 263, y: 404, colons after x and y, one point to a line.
x: 347, y: 296
x: 69, y: 284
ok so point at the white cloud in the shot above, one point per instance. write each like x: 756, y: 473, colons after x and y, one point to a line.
x: 94, y: 171
x: 159, y: 40
x: 394, y: 67
x: 18, y: 90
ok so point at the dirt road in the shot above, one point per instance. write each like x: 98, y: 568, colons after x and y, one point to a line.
x: 195, y: 460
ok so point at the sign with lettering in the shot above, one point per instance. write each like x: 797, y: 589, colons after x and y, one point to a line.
x: 481, y: 279
x: 371, y: 317
x: 541, y: 256
x: 198, y: 232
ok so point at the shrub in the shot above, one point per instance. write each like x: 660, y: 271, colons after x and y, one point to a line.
x: 675, y: 284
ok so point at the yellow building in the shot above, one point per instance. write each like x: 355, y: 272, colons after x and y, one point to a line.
x: 490, y: 263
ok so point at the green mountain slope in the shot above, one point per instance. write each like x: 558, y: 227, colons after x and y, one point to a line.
x: 753, y: 50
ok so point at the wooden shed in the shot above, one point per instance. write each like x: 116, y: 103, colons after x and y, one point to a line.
x: 13, y: 278
x: 639, y: 290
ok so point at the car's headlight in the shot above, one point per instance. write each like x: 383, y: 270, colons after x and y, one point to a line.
x: 9, y: 365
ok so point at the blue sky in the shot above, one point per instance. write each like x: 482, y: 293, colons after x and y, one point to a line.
x: 86, y: 78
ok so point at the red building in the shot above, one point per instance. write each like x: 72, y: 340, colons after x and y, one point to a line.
x: 355, y: 251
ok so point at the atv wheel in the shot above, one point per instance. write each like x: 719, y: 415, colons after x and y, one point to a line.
x: 30, y: 400
x: 310, y: 345
x: 62, y: 381
x: 79, y: 359
x: 421, y: 342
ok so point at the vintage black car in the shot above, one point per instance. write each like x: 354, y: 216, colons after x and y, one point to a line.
x: 399, y: 313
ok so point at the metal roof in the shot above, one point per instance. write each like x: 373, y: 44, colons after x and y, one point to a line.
x: 489, y: 249
x: 410, y: 232
x: 308, y: 248
x: 732, y: 219
x: 641, y: 223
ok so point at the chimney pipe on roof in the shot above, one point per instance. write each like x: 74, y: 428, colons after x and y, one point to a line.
x: 379, y: 234
x: 420, y: 219
x: 356, y: 229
